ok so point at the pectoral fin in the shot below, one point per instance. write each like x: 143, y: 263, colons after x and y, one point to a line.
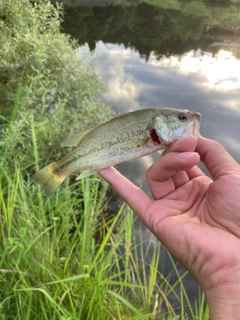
x: 86, y: 173
x: 74, y: 139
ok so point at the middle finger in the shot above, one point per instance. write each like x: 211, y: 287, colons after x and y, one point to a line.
x: 169, y: 172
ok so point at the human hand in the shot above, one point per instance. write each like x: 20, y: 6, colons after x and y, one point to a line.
x: 195, y: 217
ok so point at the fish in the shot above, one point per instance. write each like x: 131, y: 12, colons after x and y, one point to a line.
x: 126, y: 137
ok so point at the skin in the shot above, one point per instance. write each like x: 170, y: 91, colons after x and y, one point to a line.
x: 195, y: 217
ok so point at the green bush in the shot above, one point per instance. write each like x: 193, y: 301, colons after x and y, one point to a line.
x: 42, y: 76
x: 36, y: 55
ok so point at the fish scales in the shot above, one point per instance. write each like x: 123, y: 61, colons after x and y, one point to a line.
x: 115, y: 139
x: 120, y: 139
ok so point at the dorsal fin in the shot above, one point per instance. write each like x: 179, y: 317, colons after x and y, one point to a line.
x: 74, y: 139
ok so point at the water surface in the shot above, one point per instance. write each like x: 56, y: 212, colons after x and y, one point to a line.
x: 181, y: 55
x: 178, y: 54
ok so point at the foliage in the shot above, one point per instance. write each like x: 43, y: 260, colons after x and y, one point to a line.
x: 35, y: 54
x: 164, y: 4
x: 39, y: 66
x: 176, y: 26
x: 63, y: 258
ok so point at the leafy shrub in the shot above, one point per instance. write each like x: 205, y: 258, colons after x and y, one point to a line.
x: 34, y: 53
x: 41, y: 74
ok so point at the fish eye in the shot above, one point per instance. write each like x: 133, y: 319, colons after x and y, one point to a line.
x: 182, y: 117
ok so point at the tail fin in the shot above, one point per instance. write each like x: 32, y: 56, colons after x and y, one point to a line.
x: 49, y: 180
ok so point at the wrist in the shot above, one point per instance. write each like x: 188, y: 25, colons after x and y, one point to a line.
x: 224, y: 302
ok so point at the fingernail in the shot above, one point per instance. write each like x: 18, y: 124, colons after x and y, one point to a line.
x: 185, y: 155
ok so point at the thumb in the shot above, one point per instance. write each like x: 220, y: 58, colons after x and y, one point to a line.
x: 216, y: 159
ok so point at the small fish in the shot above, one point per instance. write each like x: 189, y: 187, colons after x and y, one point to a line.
x: 123, y: 138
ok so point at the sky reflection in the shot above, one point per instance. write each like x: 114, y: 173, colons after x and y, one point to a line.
x: 207, y: 83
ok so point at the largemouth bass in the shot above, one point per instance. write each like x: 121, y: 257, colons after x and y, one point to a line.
x: 123, y: 138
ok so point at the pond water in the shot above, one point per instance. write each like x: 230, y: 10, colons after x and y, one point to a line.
x: 178, y: 54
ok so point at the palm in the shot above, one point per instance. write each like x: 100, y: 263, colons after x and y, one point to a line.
x: 197, y: 219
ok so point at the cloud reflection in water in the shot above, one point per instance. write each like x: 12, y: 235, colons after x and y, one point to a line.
x: 207, y: 83
x: 196, y: 80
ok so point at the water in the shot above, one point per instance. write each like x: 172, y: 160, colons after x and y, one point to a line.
x: 172, y: 54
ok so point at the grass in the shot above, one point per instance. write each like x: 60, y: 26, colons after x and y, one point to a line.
x: 65, y: 257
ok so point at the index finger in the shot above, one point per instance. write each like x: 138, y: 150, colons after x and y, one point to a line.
x: 136, y: 198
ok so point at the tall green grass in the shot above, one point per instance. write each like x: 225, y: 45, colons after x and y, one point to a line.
x: 63, y: 257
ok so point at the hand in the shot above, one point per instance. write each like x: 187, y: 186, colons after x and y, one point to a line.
x: 195, y: 217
